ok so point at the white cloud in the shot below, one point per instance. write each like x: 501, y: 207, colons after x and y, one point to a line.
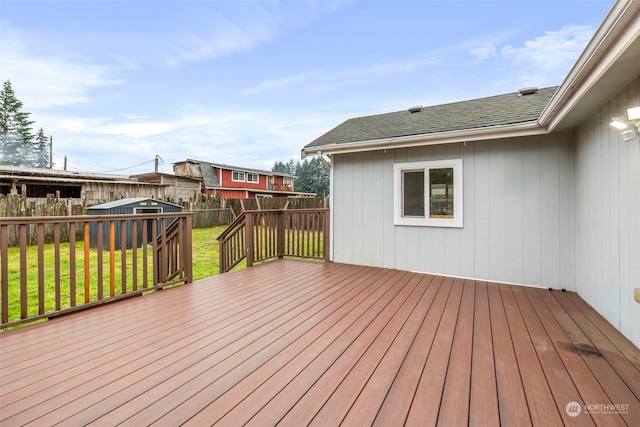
x: 278, y: 83
x: 322, y: 81
x: 547, y: 59
x: 49, y: 79
x: 484, y: 52
x: 249, y: 138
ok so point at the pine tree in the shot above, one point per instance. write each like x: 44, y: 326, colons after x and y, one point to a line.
x: 312, y: 177
x: 41, y: 151
x: 289, y: 168
x: 16, y: 138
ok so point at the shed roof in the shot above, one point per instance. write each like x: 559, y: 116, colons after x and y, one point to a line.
x: 129, y: 201
x: 507, y: 109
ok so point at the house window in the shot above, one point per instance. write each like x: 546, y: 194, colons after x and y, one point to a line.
x: 428, y: 193
x: 237, y: 176
x: 287, y: 181
x: 252, y: 177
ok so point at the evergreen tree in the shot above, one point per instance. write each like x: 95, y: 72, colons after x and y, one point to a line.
x: 16, y: 138
x: 290, y: 167
x: 41, y: 151
x: 313, y: 177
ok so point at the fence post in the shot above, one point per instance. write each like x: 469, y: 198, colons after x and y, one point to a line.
x: 249, y: 220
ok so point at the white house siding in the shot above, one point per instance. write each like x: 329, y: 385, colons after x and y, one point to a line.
x: 607, y: 215
x: 517, y: 212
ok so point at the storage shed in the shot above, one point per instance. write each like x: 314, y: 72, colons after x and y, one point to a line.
x: 137, y: 205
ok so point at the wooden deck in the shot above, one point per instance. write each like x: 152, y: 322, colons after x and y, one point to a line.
x: 298, y: 343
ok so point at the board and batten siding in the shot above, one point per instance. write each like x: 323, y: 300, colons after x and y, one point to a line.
x: 607, y: 215
x: 517, y: 197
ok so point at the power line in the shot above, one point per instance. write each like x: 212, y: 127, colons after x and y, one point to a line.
x: 109, y: 171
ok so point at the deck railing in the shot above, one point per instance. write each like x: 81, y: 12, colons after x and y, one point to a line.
x: 262, y: 235
x: 51, y: 266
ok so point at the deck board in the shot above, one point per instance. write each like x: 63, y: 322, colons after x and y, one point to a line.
x: 306, y: 343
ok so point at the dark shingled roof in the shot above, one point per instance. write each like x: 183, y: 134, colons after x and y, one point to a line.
x: 209, y: 175
x: 497, y: 110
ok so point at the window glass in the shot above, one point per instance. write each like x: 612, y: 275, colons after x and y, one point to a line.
x: 252, y: 177
x: 441, y: 193
x: 413, y: 193
x: 237, y: 176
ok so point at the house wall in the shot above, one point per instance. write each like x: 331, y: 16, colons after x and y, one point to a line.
x: 227, y: 181
x: 517, y: 212
x: 607, y: 215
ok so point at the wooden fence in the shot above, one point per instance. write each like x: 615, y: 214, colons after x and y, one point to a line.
x: 262, y: 235
x: 106, y: 258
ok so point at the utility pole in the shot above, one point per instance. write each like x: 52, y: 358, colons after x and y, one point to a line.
x: 158, y: 160
x: 65, y: 162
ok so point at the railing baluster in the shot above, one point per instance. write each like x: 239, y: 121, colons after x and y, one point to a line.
x: 145, y: 258
x: 40, y: 243
x: 4, y: 271
x: 56, y: 261
x: 123, y: 257
x: 99, y: 248
x: 134, y: 253
x: 23, y: 271
x: 72, y: 264
x: 87, y: 276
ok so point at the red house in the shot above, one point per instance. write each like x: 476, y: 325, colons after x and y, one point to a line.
x: 235, y: 182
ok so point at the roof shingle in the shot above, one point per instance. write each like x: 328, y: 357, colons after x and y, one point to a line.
x: 473, y: 114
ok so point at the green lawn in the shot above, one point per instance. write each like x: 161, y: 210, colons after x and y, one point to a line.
x: 205, y: 252
x: 205, y: 264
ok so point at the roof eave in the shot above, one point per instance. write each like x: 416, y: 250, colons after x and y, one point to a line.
x: 467, y: 135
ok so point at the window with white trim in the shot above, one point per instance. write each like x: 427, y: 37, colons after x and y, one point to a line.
x: 287, y: 181
x: 428, y: 194
x: 252, y: 177
x: 237, y: 176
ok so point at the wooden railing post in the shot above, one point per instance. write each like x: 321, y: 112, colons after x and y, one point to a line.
x: 188, y: 248
x: 249, y: 225
x: 326, y: 237
x: 280, y: 233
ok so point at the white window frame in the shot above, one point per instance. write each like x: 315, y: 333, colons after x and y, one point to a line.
x: 287, y: 180
x: 238, y: 173
x: 250, y: 175
x: 399, y: 219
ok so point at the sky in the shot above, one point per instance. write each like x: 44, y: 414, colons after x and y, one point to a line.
x: 249, y: 83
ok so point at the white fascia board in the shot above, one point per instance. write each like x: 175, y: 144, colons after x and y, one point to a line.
x: 620, y: 28
x: 467, y: 135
